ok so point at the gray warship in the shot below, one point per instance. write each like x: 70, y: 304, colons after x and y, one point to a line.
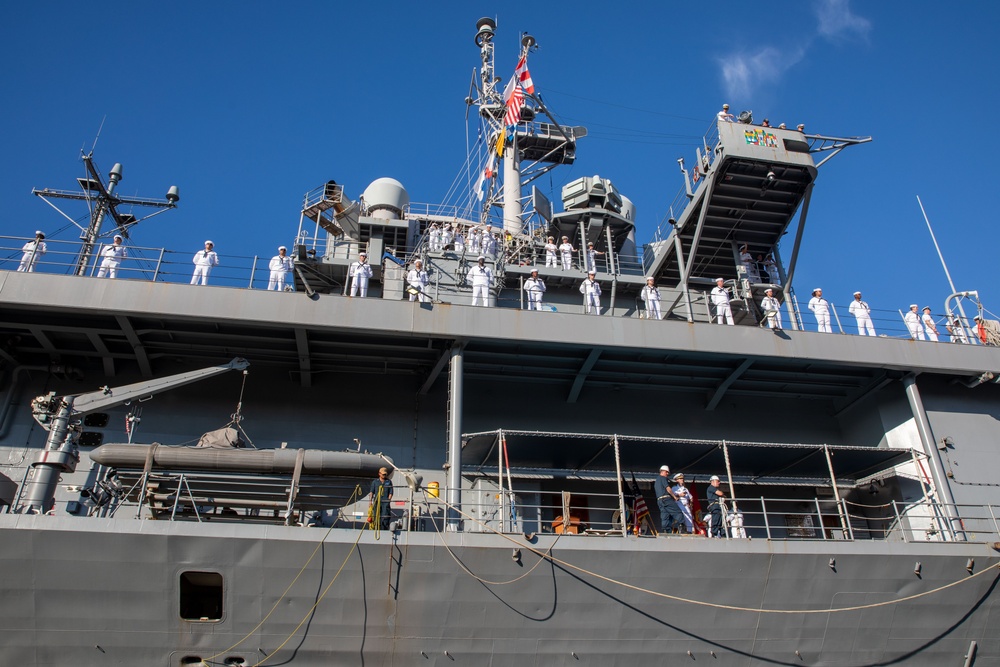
x: 186, y: 469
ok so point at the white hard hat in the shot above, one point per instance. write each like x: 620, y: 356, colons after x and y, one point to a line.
x: 714, y: 478
x: 664, y: 468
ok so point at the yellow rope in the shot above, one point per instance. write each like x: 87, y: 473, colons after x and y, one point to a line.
x: 476, y: 576
x: 715, y: 605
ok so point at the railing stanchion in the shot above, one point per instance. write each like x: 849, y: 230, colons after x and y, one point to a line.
x: 767, y: 524
x: 253, y: 271
x: 819, y: 515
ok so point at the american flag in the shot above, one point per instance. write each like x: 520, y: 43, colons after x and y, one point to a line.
x: 639, y: 506
x: 524, y: 76
x: 514, y: 103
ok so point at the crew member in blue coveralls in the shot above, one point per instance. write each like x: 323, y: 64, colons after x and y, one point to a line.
x: 379, y: 498
x: 715, y: 498
x: 670, y: 513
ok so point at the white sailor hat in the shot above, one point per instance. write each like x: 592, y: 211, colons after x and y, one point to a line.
x: 719, y: 280
x: 362, y: 254
x: 39, y: 232
x: 281, y: 247
x: 590, y: 243
x: 977, y: 317
x: 817, y: 289
x: 118, y: 236
x: 591, y: 273
x: 768, y: 290
x: 664, y: 468
x: 857, y: 294
x: 714, y: 478
x: 927, y: 307
x: 209, y: 243
x: 913, y: 305
x: 418, y: 261
x: 481, y: 258
x: 534, y: 270
x: 648, y: 278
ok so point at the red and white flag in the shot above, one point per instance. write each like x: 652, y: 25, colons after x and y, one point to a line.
x: 524, y: 76
x: 485, y: 175
x: 514, y: 103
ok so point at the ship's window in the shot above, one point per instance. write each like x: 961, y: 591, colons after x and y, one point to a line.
x: 190, y: 660
x: 796, y: 146
x: 201, y: 596
x: 91, y: 439
x: 96, y: 420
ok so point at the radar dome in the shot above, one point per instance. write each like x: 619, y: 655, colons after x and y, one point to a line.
x: 386, y: 195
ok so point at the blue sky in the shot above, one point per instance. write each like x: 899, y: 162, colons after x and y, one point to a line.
x: 246, y: 106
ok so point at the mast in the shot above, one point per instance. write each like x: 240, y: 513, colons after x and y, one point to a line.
x: 103, y: 202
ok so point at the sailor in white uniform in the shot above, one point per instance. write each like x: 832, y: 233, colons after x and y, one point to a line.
x: 863, y: 314
x: 32, y: 250
x: 550, y: 252
x: 724, y: 115
x: 566, y: 251
x: 534, y: 287
x: 360, y: 272
x: 204, y: 260
x: 459, y: 241
x: 435, y: 236
x: 821, y: 309
x: 592, y: 257
x: 417, y: 281
x: 447, y: 235
x: 746, y: 259
x: 957, y: 332
x: 929, y: 325
x: 279, y: 266
x: 720, y: 299
x: 480, y: 277
x: 474, y: 238
x: 591, y: 291
x: 113, y: 256
x: 651, y: 295
x: 772, y: 309
x: 489, y: 242
x: 912, y: 320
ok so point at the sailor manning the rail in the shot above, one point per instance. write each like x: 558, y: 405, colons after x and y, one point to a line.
x: 204, y: 260
x: 928, y: 320
x: 534, y: 287
x: 591, y: 291
x: 772, y: 309
x: 566, y: 251
x: 480, y: 277
x: 821, y: 309
x: 592, y: 256
x: 279, y: 266
x: 550, y: 252
x: 912, y: 320
x: 32, y: 250
x: 417, y: 281
x: 113, y: 256
x: 651, y: 296
x: 720, y: 299
x: 380, y: 497
x: 957, y: 332
x: 360, y: 272
x: 862, y: 313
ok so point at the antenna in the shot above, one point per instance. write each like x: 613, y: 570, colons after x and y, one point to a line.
x: 99, y: 129
x: 951, y: 283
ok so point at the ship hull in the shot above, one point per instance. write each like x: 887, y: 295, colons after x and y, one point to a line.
x: 417, y: 598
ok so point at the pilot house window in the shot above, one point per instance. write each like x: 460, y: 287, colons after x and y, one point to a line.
x: 201, y: 596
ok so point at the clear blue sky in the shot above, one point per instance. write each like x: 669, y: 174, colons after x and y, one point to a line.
x: 247, y: 105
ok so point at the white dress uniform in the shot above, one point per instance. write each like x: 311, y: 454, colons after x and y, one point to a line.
x: 447, y: 235
x: 957, y: 332
x: 651, y: 295
x: 720, y: 299
x: 534, y: 287
x: 203, y: 260
x: 435, y: 237
x: 769, y: 304
x: 474, y: 239
x: 32, y: 251
x: 862, y: 313
x: 746, y: 259
x: 592, y: 259
x: 480, y: 277
x: 566, y: 252
x: 360, y: 273
x: 417, y: 279
x: 913, y: 324
x: 821, y: 309
x: 591, y: 291
x: 459, y: 242
x: 113, y: 256
x: 489, y: 244
x: 932, y: 332
x: 550, y: 254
